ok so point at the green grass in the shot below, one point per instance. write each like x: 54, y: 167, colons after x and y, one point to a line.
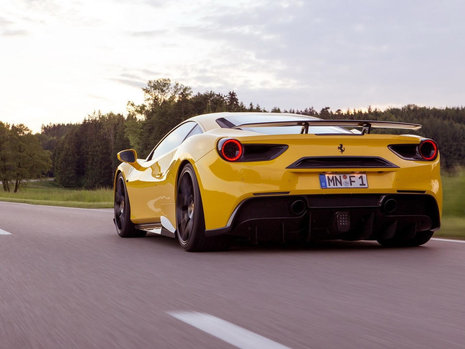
x: 50, y: 193
x: 452, y: 227
x: 453, y: 220
x: 454, y: 194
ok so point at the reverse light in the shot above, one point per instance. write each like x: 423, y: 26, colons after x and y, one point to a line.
x: 428, y: 150
x: 231, y: 149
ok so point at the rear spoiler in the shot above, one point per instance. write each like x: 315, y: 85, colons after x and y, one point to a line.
x: 366, y: 125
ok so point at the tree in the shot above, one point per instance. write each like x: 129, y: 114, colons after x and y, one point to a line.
x: 21, y: 156
x: 6, y: 157
x: 69, y: 162
x: 85, y: 154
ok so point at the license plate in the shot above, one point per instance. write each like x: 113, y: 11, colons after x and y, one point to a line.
x: 343, y: 180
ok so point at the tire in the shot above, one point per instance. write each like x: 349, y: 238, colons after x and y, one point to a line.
x: 420, y: 238
x: 190, y: 222
x: 124, y: 227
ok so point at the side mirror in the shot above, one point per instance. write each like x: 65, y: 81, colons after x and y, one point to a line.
x: 128, y: 155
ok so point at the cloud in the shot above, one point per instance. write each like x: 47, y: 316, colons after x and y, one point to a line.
x: 342, y: 53
x: 4, y: 22
x: 10, y: 28
x: 131, y: 82
x: 149, y: 33
x: 14, y: 33
x: 137, y: 77
x: 290, y: 54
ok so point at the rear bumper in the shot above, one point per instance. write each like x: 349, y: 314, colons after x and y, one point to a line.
x: 336, y: 216
x: 226, y: 186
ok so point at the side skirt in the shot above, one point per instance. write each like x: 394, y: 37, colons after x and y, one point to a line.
x: 164, y: 228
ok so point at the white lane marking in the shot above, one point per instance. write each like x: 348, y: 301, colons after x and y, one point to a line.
x: 450, y: 240
x: 226, y: 331
x: 3, y: 232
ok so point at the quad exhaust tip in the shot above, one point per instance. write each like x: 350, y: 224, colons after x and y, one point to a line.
x: 298, y: 207
x: 390, y: 206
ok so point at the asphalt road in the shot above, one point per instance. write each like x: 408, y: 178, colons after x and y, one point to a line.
x: 68, y: 281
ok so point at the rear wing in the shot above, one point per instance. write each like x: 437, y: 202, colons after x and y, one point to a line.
x: 366, y: 125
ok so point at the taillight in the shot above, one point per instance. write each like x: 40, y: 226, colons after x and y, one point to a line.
x: 234, y: 151
x: 231, y: 149
x: 428, y: 150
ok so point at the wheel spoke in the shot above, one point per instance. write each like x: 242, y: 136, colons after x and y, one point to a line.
x: 189, y: 226
x: 184, y: 224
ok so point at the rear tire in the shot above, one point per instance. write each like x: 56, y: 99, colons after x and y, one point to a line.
x: 190, y: 221
x: 420, y: 238
x: 124, y: 227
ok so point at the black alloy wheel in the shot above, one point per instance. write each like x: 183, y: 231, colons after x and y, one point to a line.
x: 189, y: 212
x: 190, y: 223
x: 124, y: 227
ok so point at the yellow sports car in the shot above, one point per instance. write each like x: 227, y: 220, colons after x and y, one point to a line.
x: 268, y: 176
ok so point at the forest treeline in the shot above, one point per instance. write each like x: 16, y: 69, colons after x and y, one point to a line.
x: 84, y: 155
x: 21, y: 156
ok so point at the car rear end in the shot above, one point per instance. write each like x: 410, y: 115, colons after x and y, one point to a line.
x: 321, y: 186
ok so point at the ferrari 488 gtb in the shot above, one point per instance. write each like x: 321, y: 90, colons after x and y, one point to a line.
x: 262, y: 176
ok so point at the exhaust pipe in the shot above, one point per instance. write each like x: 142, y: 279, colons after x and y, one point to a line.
x: 298, y: 207
x: 390, y: 206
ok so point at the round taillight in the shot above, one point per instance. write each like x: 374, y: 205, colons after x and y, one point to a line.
x: 231, y: 150
x: 428, y: 150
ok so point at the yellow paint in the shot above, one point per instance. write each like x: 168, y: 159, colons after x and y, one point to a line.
x: 224, y: 185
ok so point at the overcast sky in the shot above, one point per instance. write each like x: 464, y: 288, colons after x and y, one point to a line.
x: 62, y: 60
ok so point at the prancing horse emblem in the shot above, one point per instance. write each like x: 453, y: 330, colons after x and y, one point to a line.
x: 341, y: 148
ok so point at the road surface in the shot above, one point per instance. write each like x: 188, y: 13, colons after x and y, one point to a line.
x: 68, y: 281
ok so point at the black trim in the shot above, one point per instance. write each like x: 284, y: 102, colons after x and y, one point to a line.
x: 412, y: 191
x: 366, y: 125
x: 224, y: 123
x: 217, y: 232
x: 342, y: 162
x: 272, y: 193
x: 406, y: 151
x: 308, y: 217
x: 255, y: 151
x: 262, y: 152
x: 411, y: 151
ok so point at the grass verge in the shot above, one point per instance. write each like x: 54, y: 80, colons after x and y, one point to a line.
x: 453, y: 220
x: 452, y: 227
x: 50, y: 193
x: 453, y: 187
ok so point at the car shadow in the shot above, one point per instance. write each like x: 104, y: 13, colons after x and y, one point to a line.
x: 279, y: 247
